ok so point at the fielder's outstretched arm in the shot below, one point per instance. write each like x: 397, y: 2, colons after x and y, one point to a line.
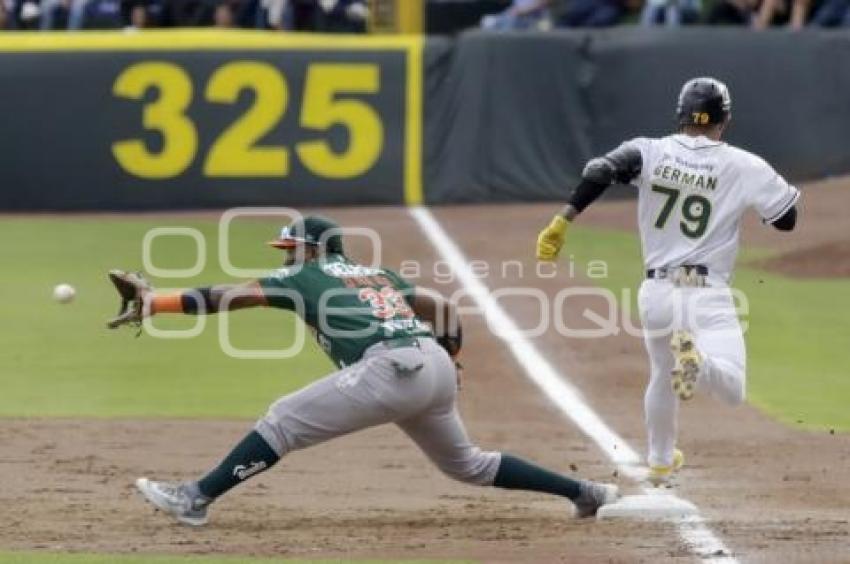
x: 621, y: 165
x: 139, y: 300
x: 210, y: 299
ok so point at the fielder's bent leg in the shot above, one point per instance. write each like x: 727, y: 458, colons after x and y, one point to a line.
x: 338, y: 404
x: 442, y: 437
x: 587, y: 497
x: 440, y: 433
x: 385, y: 386
x: 322, y: 411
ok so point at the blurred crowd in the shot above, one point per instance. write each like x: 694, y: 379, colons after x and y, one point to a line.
x: 758, y: 14
x: 345, y: 16
x: 349, y: 16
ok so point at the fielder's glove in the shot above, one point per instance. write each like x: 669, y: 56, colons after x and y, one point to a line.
x: 132, y: 288
x: 551, y: 239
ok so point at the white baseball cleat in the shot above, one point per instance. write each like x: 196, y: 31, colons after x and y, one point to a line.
x: 183, y: 501
x: 593, y: 496
x: 687, y: 364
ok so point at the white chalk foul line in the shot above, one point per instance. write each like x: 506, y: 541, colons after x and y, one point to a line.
x: 693, y: 530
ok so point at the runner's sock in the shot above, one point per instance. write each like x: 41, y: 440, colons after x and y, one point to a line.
x: 250, y: 457
x: 517, y: 474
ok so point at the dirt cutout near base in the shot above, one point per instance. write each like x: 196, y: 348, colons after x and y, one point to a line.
x: 826, y: 260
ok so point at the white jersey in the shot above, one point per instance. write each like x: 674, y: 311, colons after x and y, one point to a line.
x: 692, y: 194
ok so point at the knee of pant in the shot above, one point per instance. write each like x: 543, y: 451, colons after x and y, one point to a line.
x: 737, y: 394
x: 727, y: 380
x: 732, y: 389
x: 272, y: 430
x: 273, y: 414
x: 478, y: 468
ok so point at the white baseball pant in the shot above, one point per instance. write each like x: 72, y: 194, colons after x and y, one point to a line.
x: 709, y: 314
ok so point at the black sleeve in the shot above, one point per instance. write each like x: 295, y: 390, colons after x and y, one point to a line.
x: 585, y: 194
x: 198, y: 300
x: 621, y: 165
x: 787, y: 221
x: 627, y: 161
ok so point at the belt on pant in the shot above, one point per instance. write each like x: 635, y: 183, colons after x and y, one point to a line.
x: 666, y: 271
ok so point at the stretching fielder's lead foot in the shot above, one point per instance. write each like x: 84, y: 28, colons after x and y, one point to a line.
x: 592, y: 497
x: 183, y: 501
x: 687, y: 363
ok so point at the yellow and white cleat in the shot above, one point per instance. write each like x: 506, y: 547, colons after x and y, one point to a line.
x: 660, y: 475
x: 687, y: 364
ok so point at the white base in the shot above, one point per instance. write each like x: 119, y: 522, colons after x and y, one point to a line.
x: 651, y: 507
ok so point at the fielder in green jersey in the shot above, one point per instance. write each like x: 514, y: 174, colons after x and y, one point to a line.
x: 396, y: 347
x: 351, y: 307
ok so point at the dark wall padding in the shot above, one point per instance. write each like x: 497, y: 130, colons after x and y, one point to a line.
x: 505, y: 117
x: 61, y: 119
x: 515, y: 116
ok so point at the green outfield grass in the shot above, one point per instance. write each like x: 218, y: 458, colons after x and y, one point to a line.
x: 60, y: 360
x: 798, y: 356
x: 55, y: 558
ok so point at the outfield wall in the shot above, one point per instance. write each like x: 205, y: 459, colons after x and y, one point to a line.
x: 210, y: 119
x: 515, y: 117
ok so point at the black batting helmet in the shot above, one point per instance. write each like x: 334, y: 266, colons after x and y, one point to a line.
x: 703, y: 101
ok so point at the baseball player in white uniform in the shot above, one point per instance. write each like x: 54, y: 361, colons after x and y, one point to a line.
x: 693, y: 190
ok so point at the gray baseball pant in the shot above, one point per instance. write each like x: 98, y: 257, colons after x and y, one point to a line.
x: 414, y: 387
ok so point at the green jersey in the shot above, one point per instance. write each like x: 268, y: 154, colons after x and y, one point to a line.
x: 351, y: 307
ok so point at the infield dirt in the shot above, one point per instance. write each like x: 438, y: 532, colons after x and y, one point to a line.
x: 772, y: 493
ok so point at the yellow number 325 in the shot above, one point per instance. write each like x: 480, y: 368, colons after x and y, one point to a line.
x: 236, y: 152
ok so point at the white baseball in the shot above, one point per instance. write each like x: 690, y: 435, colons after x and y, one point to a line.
x: 64, y: 293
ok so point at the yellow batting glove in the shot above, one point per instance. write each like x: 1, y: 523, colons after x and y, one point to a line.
x: 551, y: 239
